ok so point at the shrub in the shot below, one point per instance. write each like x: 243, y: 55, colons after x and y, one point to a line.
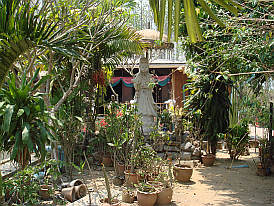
x: 237, y: 140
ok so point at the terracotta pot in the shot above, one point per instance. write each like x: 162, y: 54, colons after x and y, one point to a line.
x: 261, y: 171
x: 107, y: 161
x: 120, y: 169
x: 131, y: 178
x: 80, y: 191
x: 69, y: 193
x: 146, y: 198
x: 44, y: 192
x: 164, y: 196
x: 114, y: 202
x: 118, y: 181
x: 208, y: 160
x: 75, y: 183
x: 128, y: 196
x: 65, y: 184
x: 97, y: 156
x: 182, y: 173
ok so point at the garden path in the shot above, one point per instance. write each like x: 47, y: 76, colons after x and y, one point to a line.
x: 216, y: 185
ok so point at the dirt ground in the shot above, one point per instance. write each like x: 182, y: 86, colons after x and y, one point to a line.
x: 216, y: 185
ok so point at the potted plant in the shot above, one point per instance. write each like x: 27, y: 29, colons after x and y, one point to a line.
x: 165, y: 194
x: 109, y: 200
x: 131, y: 175
x: 263, y: 167
x: 24, y: 119
x: 182, y: 173
x: 146, y: 194
x: 237, y: 140
x: 128, y: 195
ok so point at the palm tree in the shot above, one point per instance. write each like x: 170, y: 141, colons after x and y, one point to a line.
x: 24, y: 27
x: 159, y: 9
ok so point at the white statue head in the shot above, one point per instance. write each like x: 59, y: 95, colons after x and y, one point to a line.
x: 143, y: 65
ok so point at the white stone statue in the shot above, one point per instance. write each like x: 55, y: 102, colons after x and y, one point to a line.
x: 143, y: 84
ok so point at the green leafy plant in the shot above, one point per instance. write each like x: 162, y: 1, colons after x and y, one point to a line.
x: 165, y: 119
x: 23, y: 119
x: 237, y: 140
x: 264, y: 149
x: 144, y: 187
x: 23, y: 187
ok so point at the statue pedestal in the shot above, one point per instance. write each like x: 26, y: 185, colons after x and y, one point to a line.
x: 148, y: 124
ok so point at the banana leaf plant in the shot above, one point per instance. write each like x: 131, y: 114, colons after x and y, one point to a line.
x: 24, y: 125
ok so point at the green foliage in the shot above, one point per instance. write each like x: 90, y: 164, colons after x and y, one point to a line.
x: 165, y: 118
x: 237, y: 140
x: 24, y: 120
x: 25, y: 26
x: 120, y: 122
x: 190, y: 15
x: 208, y: 103
x: 23, y: 187
x: 144, y: 187
x: 241, y: 47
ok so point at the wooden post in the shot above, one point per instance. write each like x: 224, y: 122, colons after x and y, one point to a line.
x: 271, y: 139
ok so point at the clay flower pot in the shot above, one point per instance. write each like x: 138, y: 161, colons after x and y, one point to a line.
x: 75, y: 183
x: 128, y: 196
x: 69, y: 193
x: 107, y: 161
x: 164, y: 196
x: 44, y: 192
x: 120, y: 169
x: 208, y: 160
x: 114, y: 202
x: 182, y: 173
x: 80, y: 191
x: 146, y: 198
x: 131, y: 178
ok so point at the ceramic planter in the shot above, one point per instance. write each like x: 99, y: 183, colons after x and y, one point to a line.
x: 80, y: 191
x: 44, y: 192
x: 131, y: 178
x: 75, y: 183
x: 208, y: 160
x: 69, y: 193
x: 107, y: 161
x: 182, y: 173
x: 120, y: 169
x: 164, y: 196
x: 128, y: 196
x: 146, y: 198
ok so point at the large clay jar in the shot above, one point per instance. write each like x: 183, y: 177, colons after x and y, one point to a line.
x: 208, y: 160
x: 164, y: 196
x: 146, y: 198
x: 131, y: 178
x: 107, y: 161
x: 182, y: 173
